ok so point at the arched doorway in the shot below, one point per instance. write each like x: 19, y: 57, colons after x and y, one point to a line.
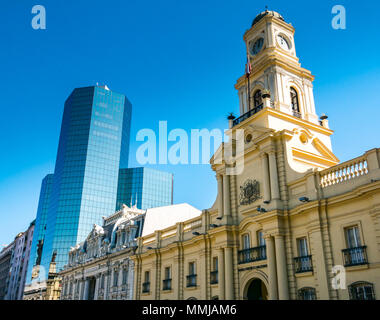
x: 257, y: 290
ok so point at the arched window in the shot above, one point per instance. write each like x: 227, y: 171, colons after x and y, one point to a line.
x: 295, y: 102
x: 361, y: 291
x: 257, y: 99
x: 307, y: 293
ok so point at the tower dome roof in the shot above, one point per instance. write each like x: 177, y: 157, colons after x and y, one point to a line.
x: 267, y: 13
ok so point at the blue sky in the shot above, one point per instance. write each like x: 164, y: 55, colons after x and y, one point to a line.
x: 176, y: 61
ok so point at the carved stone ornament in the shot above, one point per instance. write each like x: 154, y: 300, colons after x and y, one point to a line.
x: 249, y: 192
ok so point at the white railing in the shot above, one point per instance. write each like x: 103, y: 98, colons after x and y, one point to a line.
x: 345, y: 171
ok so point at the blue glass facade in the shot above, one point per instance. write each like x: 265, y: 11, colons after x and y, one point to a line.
x: 40, y: 224
x: 145, y: 188
x: 93, y: 145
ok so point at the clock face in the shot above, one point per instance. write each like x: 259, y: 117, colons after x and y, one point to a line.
x: 283, y: 42
x: 257, y: 46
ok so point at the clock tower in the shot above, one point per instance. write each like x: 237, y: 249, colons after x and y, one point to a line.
x: 277, y: 94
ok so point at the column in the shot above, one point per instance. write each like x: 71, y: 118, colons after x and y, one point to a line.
x: 86, y: 286
x: 221, y: 274
x: 272, y: 273
x: 282, y: 273
x: 226, y: 195
x: 266, y: 182
x: 74, y: 289
x: 97, y: 279
x: 203, y: 275
x: 229, y: 275
x: 220, y: 195
x: 274, y: 185
x: 107, y: 280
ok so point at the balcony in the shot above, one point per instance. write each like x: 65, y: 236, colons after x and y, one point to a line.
x: 191, y: 280
x: 167, y: 284
x: 248, y: 114
x: 355, y: 256
x: 303, y: 264
x: 146, y: 287
x: 214, y: 277
x: 252, y: 254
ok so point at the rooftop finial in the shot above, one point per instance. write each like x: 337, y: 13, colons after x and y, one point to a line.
x: 266, y: 8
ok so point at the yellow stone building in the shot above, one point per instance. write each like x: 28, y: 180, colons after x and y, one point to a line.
x: 293, y: 222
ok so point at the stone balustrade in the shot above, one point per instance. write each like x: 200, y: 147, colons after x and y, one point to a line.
x: 344, y: 172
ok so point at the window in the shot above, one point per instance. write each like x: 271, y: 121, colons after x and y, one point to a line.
x: 294, y: 101
x: 167, y: 282
x: 307, y: 294
x: 257, y: 99
x: 302, y: 247
x: 352, y: 237
x: 146, y: 284
x: 146, y: 276
x: 168, y: 273
x: 125, y: 276
x: 192, y: 268
x: 260, y: 238
x: 214, y: 273
x: 356, y: 253
x: 192, y: 277
x: 115, y: 278
x: 303, y: 262
x: 246, y: 241
x: 215, y: 263
x: 361, y: 291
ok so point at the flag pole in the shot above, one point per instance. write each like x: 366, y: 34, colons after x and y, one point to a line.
x: 248, y: 73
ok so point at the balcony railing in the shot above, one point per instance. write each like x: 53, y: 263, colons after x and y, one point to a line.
x: 167, y: 284
x: 345, y: 171
x: 252, y: 254
x: 146, y: 287
x: 303, y: 264
x: 355, y: 256
x: 248, y: 114
x: 191, y: 280
x: 214, y: 277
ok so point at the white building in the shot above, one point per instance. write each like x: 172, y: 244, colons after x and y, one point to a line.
x: 100, y: 268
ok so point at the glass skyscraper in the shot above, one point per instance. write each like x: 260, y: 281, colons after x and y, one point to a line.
x: 40, y: 224
x: 93, y: 145
x: 144, y: 187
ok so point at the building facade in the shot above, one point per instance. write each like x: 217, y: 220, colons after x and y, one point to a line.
x: 5, y: 265
x: 93, y: 145
x: 19, y: 263
x: 101, y: 267
x: 289, y: 221
x: 145, y: 188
